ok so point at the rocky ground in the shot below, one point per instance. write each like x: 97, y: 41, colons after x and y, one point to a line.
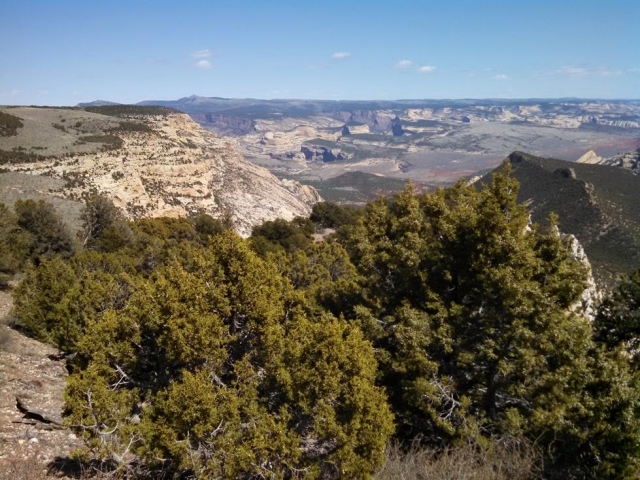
x: 30, y: 448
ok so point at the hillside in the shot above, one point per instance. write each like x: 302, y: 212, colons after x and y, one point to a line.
x: 151, y: 161
x: 358, y: 188
x: 596, y: 203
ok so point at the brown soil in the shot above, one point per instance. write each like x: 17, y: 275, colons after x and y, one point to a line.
x: 29, y: 447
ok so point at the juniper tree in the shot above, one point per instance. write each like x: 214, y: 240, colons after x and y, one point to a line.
x: 471, y: 312
x: 213, y: 368
x: 103, y: 225
x: 49, y: 234
x: 14, y: 245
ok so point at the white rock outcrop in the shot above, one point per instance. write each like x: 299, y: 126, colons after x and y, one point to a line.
x: 590, y: 157
x: 590, y: 297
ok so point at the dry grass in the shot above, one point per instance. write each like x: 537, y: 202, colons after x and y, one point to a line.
x: 512, y: 460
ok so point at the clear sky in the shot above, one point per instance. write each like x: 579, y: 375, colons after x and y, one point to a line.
x: 61, y: 52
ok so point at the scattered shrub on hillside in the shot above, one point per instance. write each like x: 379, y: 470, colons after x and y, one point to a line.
x: 132, y: 127
x: 131, y: 110
x: 18, y: 156
x: 9, y: 124
x: 110, y: 142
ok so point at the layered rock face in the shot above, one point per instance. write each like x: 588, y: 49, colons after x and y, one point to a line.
x: 175, y: 167
x: 590, y: 157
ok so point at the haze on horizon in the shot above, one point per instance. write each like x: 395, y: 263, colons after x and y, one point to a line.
x: 70, y: 51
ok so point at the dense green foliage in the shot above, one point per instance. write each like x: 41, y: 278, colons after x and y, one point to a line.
x: 200, y: 353
x: 280, y: 235
x: 445, y: 317
x: 49, y: 234
x: 103, y: 225
x: 618, y: 321
x: 471, y: 315
x: 14, y: 245
x: 34, y: 232
x: 227, y: 376
x: 332, y: 215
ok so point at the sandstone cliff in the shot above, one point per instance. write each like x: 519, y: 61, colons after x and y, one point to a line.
x: 628, y: 160
x: 162, y: 165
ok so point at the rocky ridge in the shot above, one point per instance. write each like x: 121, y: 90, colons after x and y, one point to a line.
x: 596, y: 203
x: 168, y: 166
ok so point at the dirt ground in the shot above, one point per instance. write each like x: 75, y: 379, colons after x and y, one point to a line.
x: 29, y: 448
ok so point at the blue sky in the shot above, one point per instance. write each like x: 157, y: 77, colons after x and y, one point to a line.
x: 64, y: 52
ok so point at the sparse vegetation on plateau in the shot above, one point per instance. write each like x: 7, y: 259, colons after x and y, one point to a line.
x: 18, y: 156
x: 110, y: 142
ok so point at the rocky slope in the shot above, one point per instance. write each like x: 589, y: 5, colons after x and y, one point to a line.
x: 29, y: 370
x: 596, y: 203
x: 151, y: 163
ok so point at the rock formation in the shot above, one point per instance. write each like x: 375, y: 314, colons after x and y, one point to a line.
x: 591, y: 297
x: 323, y: 154
x: 590, y: 157
x: 396, y: 127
